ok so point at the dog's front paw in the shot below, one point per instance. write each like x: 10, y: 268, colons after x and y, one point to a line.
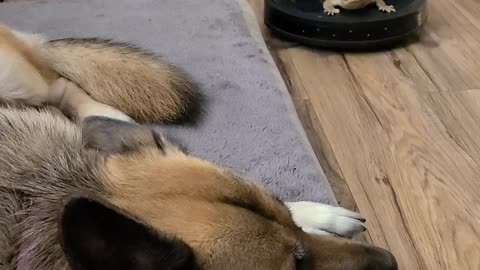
x: 325, y: 219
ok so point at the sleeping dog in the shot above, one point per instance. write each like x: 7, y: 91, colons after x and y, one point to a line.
x: 97, y: 191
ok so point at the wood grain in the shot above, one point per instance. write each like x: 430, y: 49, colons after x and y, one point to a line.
x: 401, y: 129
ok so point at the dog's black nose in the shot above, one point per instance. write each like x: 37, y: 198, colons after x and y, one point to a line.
x: 381, y: 259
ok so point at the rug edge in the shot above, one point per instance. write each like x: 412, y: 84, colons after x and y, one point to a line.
x: 255, y: 31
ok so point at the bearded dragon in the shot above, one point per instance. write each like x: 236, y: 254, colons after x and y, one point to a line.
x: 329, y: 6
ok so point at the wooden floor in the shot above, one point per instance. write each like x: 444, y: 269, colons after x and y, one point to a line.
x: 398, y: 134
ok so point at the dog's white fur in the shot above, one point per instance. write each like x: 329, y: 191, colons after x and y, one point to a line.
x: 325, y: 219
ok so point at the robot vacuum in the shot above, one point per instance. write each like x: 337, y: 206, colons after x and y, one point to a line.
x: 306, y: 22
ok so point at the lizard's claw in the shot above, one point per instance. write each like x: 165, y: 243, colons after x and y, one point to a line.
x: 332, y: 12
x: 387, y: 8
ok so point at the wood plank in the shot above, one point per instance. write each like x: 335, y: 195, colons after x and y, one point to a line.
x: 404, y: 184
x: 351, y: 127
x: 459, y: 113
x: 448, y: 48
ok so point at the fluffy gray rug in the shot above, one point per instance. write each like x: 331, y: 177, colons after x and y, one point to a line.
x: 251, y: 125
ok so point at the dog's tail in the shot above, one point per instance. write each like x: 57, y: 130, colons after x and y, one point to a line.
x: 123, y: 76
x: 126, y: 77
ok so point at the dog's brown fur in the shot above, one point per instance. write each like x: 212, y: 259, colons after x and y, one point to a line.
x: 108, y: 194
x: 163, y: 90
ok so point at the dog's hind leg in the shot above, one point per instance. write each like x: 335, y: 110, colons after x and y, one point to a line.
x: 325, y: 219
x: 23, y: 75
x: 19, y: 80
x: 77, y: 104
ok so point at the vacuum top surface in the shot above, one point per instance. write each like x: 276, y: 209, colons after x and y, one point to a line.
x: 313, y: 10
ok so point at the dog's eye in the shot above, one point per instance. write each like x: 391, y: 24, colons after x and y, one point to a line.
x: 299, y: 263
x: 304, y: 263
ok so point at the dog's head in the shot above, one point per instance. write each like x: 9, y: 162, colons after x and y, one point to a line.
x: 167, y: 210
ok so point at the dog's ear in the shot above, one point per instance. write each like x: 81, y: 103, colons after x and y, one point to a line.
x: 113, y: 136
x: 96, y: 236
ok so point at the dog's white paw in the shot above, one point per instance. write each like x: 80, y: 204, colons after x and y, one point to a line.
x: 323, y: 219
x: 317, y: 231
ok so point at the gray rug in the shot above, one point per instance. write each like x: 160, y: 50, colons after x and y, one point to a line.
x: 251, y: 125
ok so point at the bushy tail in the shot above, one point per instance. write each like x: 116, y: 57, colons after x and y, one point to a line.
x: 126, y: 77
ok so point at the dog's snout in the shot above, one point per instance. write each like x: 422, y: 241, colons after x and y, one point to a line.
x: 331, y: 253
x: 381, y: 259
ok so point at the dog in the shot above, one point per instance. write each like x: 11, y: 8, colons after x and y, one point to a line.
x: 99, y: 190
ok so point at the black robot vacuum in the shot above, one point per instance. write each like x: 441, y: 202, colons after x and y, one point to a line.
x: 306, y: 22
